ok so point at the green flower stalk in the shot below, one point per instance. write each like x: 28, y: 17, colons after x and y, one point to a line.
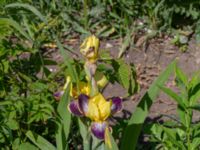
x: 90, y: 102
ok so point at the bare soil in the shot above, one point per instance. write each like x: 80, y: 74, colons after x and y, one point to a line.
x: 150, y: 62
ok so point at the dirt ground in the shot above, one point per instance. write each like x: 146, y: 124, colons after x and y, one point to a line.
x: 149, y: 62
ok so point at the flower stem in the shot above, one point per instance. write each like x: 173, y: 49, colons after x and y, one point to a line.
x: 90, y: 70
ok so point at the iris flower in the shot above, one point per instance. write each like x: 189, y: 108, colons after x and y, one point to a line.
x: 89, y: 48
x: 83, y: 87
x: 98, y: 109
x: 95, y: 107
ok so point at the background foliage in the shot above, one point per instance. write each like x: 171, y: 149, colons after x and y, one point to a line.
x: 28, y: 111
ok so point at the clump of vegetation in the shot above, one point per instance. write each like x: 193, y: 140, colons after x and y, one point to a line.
x: 36, y: 103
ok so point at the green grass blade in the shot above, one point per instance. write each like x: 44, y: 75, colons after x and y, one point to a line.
x: 133, y: 129
x: 39, y: 141
x: 29, y: 8
x: 15, y: 25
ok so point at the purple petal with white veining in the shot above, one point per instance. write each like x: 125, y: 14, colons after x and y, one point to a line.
x: 116, y: 105
x: 58, y: 95
x: 83, y: 103
x: 74, y: 109
x: 98, y: 129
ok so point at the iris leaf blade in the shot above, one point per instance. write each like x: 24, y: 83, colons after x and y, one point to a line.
x: 110, y: 143
x: 133, y: 129
x: 39, y: 141
x: 64, y: 112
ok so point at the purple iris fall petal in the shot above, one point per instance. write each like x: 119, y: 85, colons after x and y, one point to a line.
x: 58, y: 95
x: 74, y: 109
x: 98, y: 129
x: 83, y: 103
x: 116, y: 105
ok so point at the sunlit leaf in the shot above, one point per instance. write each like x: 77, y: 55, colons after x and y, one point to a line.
x: 85, y: 134
x: 133, y: 129
x: 39, y: 141
x: 27, y: 145
x: 174, y: 96
x: 64, y: 113
x: 110, y: 143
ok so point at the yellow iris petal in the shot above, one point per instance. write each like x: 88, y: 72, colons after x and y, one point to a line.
x: 83, y: 87
x: 93, y: 111
x: 99, y: 109
x: 89, y: 48
x: 105, y: 110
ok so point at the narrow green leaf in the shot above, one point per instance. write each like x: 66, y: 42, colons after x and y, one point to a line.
x: 64, y: 112
x: 132, y: 131
x: 97, y: 144
x: 195, y: 143
x: 24, y: 77
x: 78, y: 28
x: 111, y: 144
x: 60, y: 136
x: 195, y: 80
x: 157, y: 8
x: 173, y: 95
x: 29, y: 8
x: 84, y: 134
x: 27, y: 145
x: 181, y: 77
x: 194, y: 86
x: 196, y: 107
x: 183, y: 116
x: 15, y: 25
x: 180, y: 74
x: 195, y: 97
x: 105, y: 31
x: 28, y: 27
x: 133, y: 87
x: 39, y: 141
x: 73, y: 73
